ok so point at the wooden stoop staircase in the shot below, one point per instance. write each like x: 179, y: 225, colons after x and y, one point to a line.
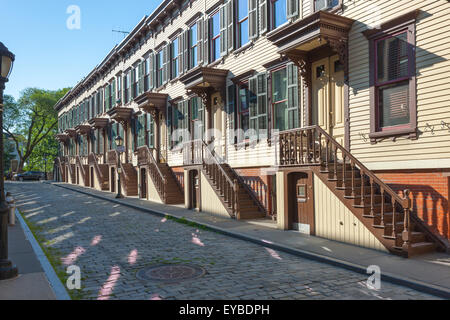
x: 236, y: 196
x: 128, y: 177
x: 84, y: 171
x: 71, y: 169
x: 163, y: 178
x: 101, y: 170
x: 387, y: 215
x: 59, y: 162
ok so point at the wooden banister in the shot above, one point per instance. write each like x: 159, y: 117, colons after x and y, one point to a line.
x: 92, y: 158
x: 156, y: 174
x: 312, y: 145
x: 80, y: 164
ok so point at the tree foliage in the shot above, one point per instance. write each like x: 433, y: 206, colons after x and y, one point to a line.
x: 32, y: 123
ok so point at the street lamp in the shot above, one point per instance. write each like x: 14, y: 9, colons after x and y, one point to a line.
x: 7, y: 269
x: 120, y: 149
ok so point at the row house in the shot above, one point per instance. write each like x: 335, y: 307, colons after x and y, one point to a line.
x: 328, y: 117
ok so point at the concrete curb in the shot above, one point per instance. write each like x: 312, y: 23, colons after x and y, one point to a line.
x: 388, y: 277
x: 58, y: 288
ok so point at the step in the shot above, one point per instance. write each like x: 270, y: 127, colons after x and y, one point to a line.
x: 416, y: 236
x: 421, y: 248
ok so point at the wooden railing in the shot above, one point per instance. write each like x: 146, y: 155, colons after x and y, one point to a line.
x: 69, y: 165
x: 80, y: 164
x: 314, y: 146
x: 227, y: 188
x: 113, y: 156
x: 92, y: 158
x: 157, y: 176
x: 259, y: 188
x: 192, y: 152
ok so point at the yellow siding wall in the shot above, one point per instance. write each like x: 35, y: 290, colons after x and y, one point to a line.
x: 433, y: 86
x: 330, y: 212
x: 210, y: 202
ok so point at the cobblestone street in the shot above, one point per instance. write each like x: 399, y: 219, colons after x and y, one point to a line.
x: 111, y: 243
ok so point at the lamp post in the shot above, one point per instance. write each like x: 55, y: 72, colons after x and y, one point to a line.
x: 7, y: 269
x: 120, y: 149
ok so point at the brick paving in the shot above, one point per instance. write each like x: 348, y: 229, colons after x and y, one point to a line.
x: 111, y: 243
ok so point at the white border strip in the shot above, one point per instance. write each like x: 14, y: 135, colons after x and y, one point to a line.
x: 58, y: 288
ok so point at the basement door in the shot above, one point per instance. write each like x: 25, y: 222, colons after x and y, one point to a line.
x: 301, y: 207
x: 328, y: 97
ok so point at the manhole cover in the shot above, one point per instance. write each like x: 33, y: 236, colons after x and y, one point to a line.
x: 170, y: 272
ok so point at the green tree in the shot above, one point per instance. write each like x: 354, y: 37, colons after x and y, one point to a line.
x: 32, y: 121
x: 8, y: 153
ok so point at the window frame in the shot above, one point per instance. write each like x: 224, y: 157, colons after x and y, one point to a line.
x: 239, y: 23
x: 272, y: 15
x: 212, y: 42
x: 174, y: 58
x: 389, y: 29
x: 335, y: 8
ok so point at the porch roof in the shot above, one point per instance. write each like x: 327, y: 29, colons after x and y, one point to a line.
x: 311, y: 32
x: 99, y: 123
x: 120, y: 114
x: 152, y: 102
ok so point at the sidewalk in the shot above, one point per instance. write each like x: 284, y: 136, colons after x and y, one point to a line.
x: 428, y: 273
x: 32, y: 283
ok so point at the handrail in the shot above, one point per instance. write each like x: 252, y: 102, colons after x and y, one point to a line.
x: 70, y: 167
x: 157, y: 176
x: 314, y: 135
x: 94, y: 159
x: 80, y: 164
x: 228, y: 188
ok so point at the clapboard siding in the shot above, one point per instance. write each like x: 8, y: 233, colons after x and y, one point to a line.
x: 433, y: 91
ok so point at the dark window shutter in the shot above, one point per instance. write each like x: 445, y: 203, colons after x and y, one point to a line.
x: 186, y: 51
x: 292, y: 116
x: 291, y: 8
x: 113, y: 93
x: 141, y: 78
x: 230, y: 27
x: 231, y: 112
x: 206, y: 41
x: 165, y: 65
x: 199, y: 39
x: 263, y: 16
x: 180, y: 53
x: 253, y: 104
x: 152, y: 73
x: 252, y: 19
x: 262, y: 101
x: 223, y: 30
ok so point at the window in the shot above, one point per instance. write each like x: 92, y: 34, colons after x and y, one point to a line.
x: 118, y: 96
x: 150, y: 131
x: 127, y: 87
x: 392, y: 79
x: 257, y: 103
x: 243, y: 122
x: 140, y: 129
x: 147, y: 70
x: 174, y: 56
x: 279, y: 13
x: 325, y: 4
x: 197, y: 118
x: 285, y: 100
x: 242, y: 22
x: 215, y: 36
x: 180, y: 121
x: 193, y: 44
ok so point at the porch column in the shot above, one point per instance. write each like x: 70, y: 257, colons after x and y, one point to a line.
x: 282, y: 200
x: 157, y: 135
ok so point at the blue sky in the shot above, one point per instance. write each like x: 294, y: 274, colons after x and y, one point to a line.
x: 48, y: 54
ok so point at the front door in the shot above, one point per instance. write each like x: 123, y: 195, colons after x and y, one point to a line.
x: 301, y: 208
x: 143, y: 179
x: 328, y: 97
x: 195, y: 189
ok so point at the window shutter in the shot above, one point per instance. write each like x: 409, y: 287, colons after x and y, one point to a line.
x: 230, y: 27
x: 186, y: 50
x: 141, y: 78
x: 262, y: 16
x: 107, y: 89
x: 113, y: 93
x: 262, y: 101
x: 205, y: 41
x: 223, y: 30
x: 101, y: 137
x: 200, y: 33
x: 152, y: 71
x: 133, y: 80
x: 291, y: 8
x: 253, y: 105
x: 165, y: 66
x: 292, y: 95
x: 151, y: 132
x: 180, y: 53
x: 252, y: 19
x: 231, y: 109
x: 169, y: 125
